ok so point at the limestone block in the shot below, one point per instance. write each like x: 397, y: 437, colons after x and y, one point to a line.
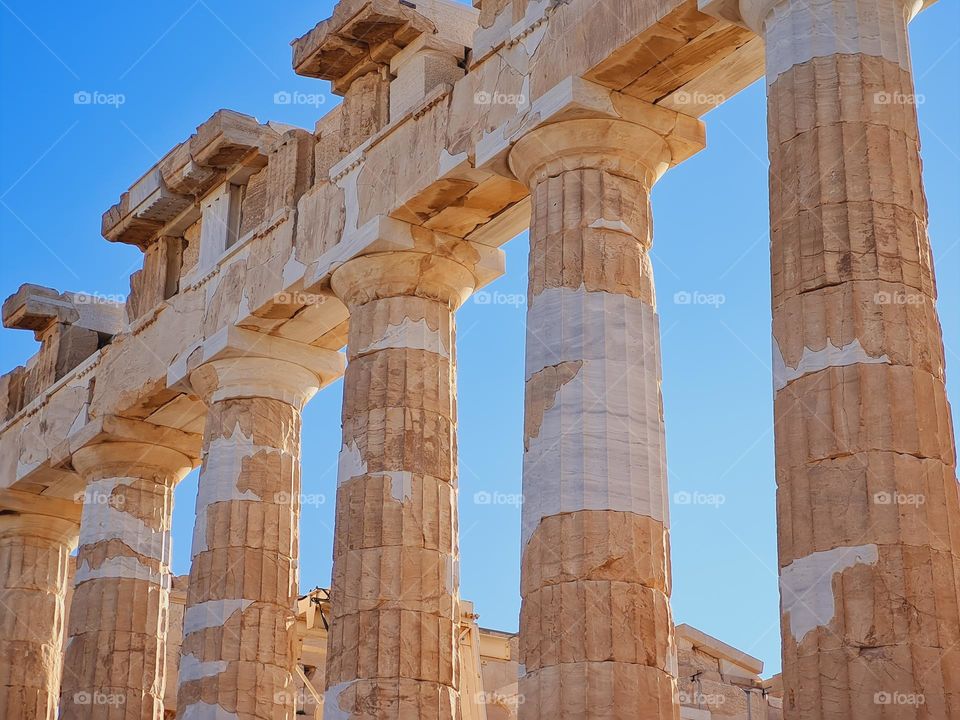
x: 168, y: 192
x: 11, y: 393
x: 158, y: 279
x: 35, y: 308
x: 419, y: 68
x: 70, y: 328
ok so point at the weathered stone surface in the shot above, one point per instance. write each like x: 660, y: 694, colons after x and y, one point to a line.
x: 116, y: 647
x: 867, y: 498
x: 266, y: 247
x: 596, y: 633
x: 395, y: 592
x: 34, y: 559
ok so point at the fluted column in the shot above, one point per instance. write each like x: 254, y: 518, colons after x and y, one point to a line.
x: 392, y: 647
x: 867, y: 495
x: 237, y: 657
x: 34, y: 563
x: 596, y: 633
x: 114, y: 664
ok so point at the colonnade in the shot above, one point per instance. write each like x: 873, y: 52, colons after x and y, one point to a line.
x: 869, y: 585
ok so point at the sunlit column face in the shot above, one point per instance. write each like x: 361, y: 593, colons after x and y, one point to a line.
x: 238, y: 621
x: 115, y: 657
x: 865, y: 452
x: 596, y: 634
x: 34, y: 562
x: 393, y: 644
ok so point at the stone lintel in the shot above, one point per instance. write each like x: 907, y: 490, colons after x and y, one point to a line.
x: 384, y: 234
x: 227, y: 143
x: 232, y: 342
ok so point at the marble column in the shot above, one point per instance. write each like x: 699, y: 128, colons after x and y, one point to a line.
x: 867, y: 497
x: 392, y: 647
x: 34, y: 563
x: 596, y: 632
x: 114, y: 664
x: 237, y: 659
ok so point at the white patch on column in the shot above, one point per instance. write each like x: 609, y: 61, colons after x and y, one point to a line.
x: 331, y: 702
x: 123, y: 567
x: 601, y: 445
x: 409, y: 335
x: 351, y: 463
x: 193, y: 669
x: 615, y: 225
x: 206, y: 711
x: 401, y: 484
x: 219, y: 477
x: 451, y: 571
x: 211, y: 613
x: 815, y: 360
x: 103, y: 518
x: 806, y: 586
x: 797, y: 31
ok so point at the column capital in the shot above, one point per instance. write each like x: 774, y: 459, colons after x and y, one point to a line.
x: 392, y: 274
x: 131, y: 441
x: 236, y: 363
x: 752, y: 15
x: 642, y: 152
x: 54, y: 529
x: 425, y: 264
x: 114, y: 459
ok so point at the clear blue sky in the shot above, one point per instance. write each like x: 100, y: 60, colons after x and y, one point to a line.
x: 62, y: 164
